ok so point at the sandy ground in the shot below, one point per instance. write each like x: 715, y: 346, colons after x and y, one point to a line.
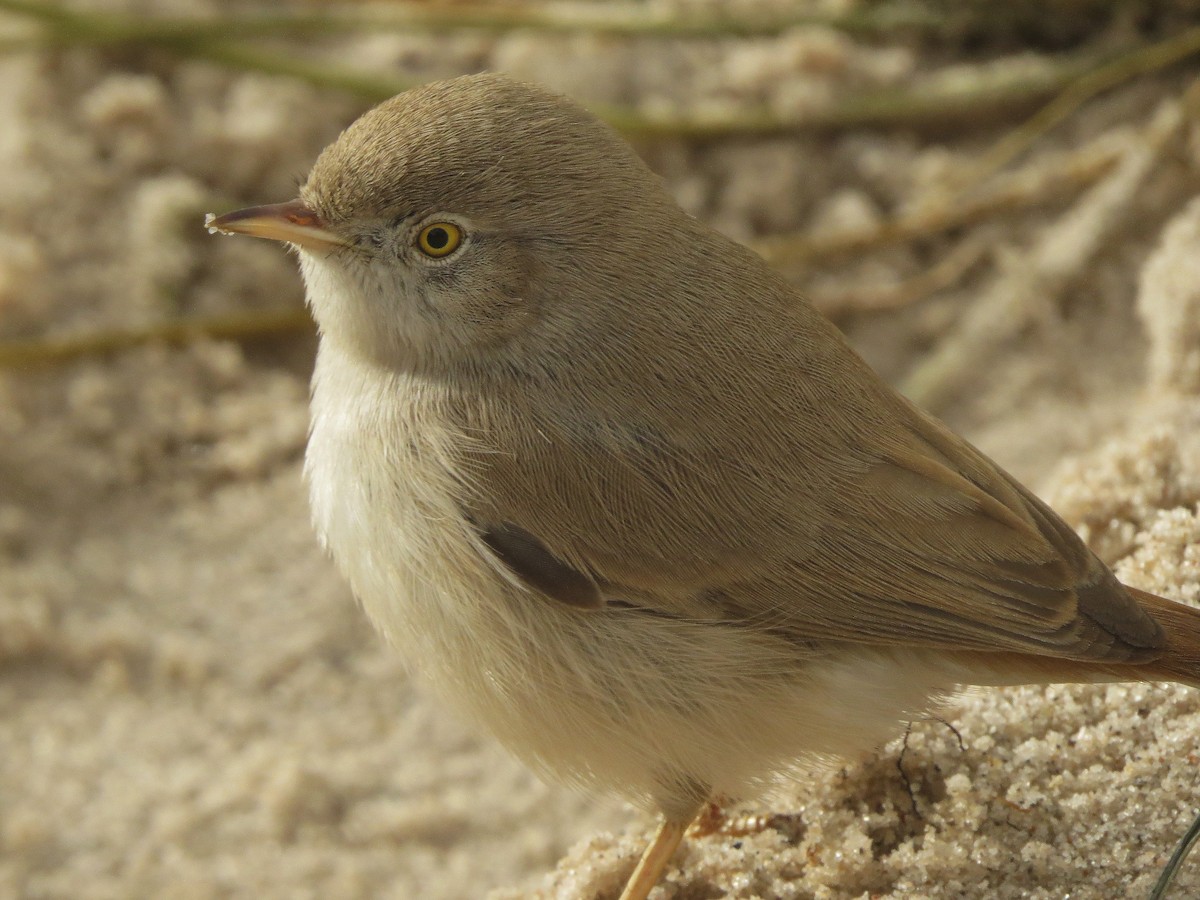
x: 192, y: 706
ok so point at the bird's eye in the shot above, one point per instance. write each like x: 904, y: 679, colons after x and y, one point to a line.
x: 439, y: 239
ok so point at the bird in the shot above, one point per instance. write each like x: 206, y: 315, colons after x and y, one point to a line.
x: 625, y: 497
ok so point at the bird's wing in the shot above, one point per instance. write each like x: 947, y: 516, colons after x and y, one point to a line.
x: 918, y: 539
x: 939, y: 545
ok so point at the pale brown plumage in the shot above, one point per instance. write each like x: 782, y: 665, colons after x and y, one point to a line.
x: 633, y: 485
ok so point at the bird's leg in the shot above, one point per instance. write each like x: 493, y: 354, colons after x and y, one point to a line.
x: 654, y: 859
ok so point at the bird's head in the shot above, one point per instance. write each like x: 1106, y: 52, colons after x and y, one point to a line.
x: 453, y: 218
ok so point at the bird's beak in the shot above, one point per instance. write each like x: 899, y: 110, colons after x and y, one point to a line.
x: 292, y: 222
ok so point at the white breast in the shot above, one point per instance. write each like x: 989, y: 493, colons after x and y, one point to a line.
x: 384, y: 502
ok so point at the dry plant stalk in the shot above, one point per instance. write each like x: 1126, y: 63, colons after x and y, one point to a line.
x: 877, y: 298
x: 1055, y: 256
x: 1039, y: 183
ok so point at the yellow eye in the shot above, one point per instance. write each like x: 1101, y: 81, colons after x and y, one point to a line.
x: 439, y: 239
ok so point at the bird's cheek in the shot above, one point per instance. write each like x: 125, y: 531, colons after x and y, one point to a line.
x: 485, y: 313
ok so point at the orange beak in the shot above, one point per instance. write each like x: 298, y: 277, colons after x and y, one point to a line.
x: 292, y: 222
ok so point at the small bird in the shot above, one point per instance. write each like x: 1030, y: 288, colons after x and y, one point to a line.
x: 619, y: 491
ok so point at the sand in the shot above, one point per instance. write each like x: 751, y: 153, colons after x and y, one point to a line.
x: 191, y: 704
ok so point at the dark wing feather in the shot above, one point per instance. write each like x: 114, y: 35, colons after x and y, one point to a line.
x: 528, y: 559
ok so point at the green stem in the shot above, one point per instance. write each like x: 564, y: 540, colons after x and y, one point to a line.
x: 1126, y: 67
x: 921, y: 106
x: 19, y: 354
x: 597, y: 18
x: 917, y: 107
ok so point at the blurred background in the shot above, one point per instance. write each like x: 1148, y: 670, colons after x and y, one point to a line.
x: 994, y: 201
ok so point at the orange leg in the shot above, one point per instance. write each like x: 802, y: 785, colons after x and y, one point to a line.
x: 654, y: 860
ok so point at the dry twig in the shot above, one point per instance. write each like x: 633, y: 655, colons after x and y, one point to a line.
x: 1054, y: 258
x: 1025, y: 189
x: 877, y: 298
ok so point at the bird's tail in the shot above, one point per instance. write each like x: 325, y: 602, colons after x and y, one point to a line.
x: 1180, y: 660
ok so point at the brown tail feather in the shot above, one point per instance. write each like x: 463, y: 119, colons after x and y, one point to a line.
x: 1181, y: 658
